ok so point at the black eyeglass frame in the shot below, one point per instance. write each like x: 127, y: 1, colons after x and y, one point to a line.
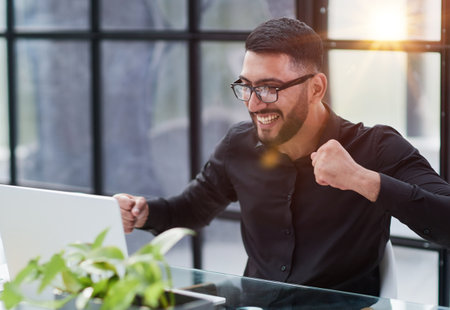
x: 253, y: 89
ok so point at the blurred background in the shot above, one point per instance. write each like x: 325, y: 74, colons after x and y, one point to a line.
x: 107, y: 96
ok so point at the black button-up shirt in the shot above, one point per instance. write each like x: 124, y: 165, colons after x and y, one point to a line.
x: 297, y: 231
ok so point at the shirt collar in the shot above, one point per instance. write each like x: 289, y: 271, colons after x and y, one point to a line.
x: 332, y: 127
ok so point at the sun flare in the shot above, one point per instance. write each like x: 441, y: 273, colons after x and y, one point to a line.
x: 388, y: 24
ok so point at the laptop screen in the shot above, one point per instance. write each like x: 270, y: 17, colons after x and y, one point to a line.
x: 36, y: 222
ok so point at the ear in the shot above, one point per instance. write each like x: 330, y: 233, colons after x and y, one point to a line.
x: 318, y: 86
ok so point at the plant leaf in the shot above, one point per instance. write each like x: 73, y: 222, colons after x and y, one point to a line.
x: 101, y: 269
x: 51, y: 304
x: 11, y: 295
x: 106, y: 252
x: 51, y: 269
x: 121, y: 294
x: 71, y: 281
x: 99, y: 239
x: 28, y: 272
x: 152, y: 294
x: 83, y: 298
x: 167, y: 239
x: 101, y: 287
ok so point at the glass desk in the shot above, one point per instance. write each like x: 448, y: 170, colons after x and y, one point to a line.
x: 243, y: 293
x: 253, y: 294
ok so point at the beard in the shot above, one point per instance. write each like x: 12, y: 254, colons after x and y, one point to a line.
x: 293, y: 122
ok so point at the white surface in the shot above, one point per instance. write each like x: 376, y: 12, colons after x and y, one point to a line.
x: 216, y: 300
x: 35, y: 222
x: 388, y: 273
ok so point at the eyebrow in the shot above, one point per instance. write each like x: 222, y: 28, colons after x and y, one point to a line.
x: 261, y: 81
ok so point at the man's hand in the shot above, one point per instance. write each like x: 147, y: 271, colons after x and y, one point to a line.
x: 334, y: 166
x: 134, y: 211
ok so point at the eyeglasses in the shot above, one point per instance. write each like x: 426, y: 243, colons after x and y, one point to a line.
x: 266, y: 94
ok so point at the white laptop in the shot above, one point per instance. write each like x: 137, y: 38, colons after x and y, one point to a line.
x: 36, y: 222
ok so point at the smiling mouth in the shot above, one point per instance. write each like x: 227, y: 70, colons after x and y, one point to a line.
x: 267, y: 119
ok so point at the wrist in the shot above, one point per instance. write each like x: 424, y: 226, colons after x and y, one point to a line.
x: 368, y: 184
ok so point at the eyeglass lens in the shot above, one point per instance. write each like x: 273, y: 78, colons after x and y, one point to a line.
x: 265, y: 93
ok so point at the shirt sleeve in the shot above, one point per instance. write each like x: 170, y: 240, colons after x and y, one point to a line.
x: 411, y: 190
x: 204, y: 197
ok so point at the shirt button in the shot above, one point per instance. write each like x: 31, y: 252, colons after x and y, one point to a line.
x: 287, y: 232
x: 426, y: 231
x: 283, y: 268
x: 289, y: 197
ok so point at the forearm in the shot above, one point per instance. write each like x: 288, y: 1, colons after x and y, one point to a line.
x: 421, y: 210
x: 194, y: 208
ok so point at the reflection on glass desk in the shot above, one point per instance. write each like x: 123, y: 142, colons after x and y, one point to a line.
x: 248, y: 293
x: 244, y: 293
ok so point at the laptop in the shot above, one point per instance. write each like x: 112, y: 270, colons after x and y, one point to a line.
x: 36, y: 222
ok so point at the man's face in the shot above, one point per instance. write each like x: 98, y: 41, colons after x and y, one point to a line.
x: 276, y: 122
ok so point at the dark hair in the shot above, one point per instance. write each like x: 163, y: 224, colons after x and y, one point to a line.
x: 288, y: 36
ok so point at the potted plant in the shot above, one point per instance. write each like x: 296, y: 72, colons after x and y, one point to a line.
x: 85, y: 272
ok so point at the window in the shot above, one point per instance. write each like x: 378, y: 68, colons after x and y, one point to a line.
x: 220, y: 109
x: 242, y: 14
x: 384, y: 20
x: 4, y: 139
x: 377, y: 76
x: 145, y: 117
x: 155, y: 14
x: 2, y: 15
x: 398, y: 89
x: 54, y: 15
x: 53, y: 107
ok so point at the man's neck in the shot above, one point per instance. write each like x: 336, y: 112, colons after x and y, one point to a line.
x: 307, y: 138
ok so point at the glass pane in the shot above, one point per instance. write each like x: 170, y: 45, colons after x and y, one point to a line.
x: 417, y: 275
x: 242, y: 14
x: 384, y: 19
x: 393, y: 88
x: 143, y: 14
x: 4, y: 141
x: 2, y: 15
x: 145, y: 117
x: 221, y: 65
x: 224, y: 252
x: 54, y: 118
x: 34, y: 15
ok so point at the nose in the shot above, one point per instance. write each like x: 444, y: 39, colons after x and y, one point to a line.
x: 254, y: 104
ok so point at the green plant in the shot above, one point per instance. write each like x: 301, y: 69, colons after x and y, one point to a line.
x: 86, y: 271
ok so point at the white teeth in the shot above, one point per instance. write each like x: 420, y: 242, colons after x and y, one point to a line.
x: 267, y: 119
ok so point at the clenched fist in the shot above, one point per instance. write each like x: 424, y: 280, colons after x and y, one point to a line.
x: 334, y: 166
x: 134, y: 211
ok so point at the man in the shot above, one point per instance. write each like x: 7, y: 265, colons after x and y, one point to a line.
x: 316, y: 191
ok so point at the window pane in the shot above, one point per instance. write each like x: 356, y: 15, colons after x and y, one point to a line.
x: 417, y: 275
x: 141, y: 14
x: 221, y: 65
x: 145, y: 117
x: 242, y: 14
x: 393, y: 88
x: 34, y: 15
x: 54, y: 121
x: 2, y: 15
x: 384, y: 19
x: 4, y: 141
